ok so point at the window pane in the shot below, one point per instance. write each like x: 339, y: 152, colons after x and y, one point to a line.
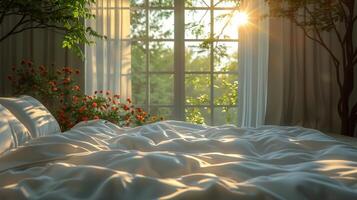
x: 138, y: 56
x: 134, y: 3
x: 161, y: 56
x: 197, y: 89
x: 139, y: 82
x: 226, y: 3
x: 161, y: 89
x: 138, y: 21
x: 225, y: 56
x: 197, y: 24
x: 161, y: 24
x: 225, y: 115
x: 164, y: 112
x: 225, y: 89
x: 197, y: 3
x: 196, y: 57
x: 225, y: 25
x: 198, y: 115
x: 161, y: 3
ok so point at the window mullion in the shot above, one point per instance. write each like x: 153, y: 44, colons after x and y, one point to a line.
x: 212, y: 64
x: 179, y: 60
x: 147, y: 53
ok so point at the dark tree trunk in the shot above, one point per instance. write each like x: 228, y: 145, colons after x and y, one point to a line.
x: 348, y: 115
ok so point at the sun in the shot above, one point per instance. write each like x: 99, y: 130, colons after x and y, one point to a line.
x: 241, y: 18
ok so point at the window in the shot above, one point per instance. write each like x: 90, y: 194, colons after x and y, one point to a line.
x: 184, y: 60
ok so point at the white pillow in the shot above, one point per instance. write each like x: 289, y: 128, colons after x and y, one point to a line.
x: 12, y: 132
x: 35, y: 116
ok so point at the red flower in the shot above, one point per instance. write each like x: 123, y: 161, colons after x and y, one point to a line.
x: 85, y: 118
x: 67, y: 70
x: 42, y: 68
x: 139, y: 110
x: 75, y: 99
x: 114, y: 108
x: 125, y: 107
x: 76, y: 88
x: 128, y: 100
x: 96, y: 117
x: 54, y: 89
x: 82, y: 109
x: 117, y: 96
x: 66, y: 80
x: 140, y: 118
x: 52, y: 83
x: 94, y: 104
x: 29, y: 63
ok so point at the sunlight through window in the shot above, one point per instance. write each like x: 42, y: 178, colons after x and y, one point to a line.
x: 241, y: 18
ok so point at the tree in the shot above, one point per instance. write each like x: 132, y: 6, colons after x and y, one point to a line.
x: 64, y: 16
x: 196, y: 59
x: 338, y: 17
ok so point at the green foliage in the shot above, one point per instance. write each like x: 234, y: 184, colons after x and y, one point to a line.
x: 197, y: 58
x: 64, y: 16
x: 59, y: 92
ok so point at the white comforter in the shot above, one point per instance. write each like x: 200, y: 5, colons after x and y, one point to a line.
x: 98, y: 160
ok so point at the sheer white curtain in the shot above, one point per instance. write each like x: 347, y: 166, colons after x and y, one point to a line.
x: 107, y: 64
x: 253, y: 65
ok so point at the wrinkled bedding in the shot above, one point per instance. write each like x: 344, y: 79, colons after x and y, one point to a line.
x: 177, y: 160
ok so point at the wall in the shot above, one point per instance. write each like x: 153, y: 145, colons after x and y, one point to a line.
x: 41, y: 46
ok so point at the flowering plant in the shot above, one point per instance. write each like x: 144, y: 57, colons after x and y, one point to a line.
x: 60, y: 93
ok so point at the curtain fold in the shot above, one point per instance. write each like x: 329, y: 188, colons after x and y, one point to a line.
x: 302, y: 86
x: 253, y: 65
x: 108, y: 60
x: 43, y: 46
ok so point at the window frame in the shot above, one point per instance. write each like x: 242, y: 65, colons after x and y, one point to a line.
x: 179, y: 72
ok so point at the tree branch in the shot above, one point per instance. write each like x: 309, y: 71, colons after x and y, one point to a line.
x: 39, y: 26
x: 320, y: 41
x: 5, y: 9
x: 19, y: 23
x: 354, y: 109
x: 354, y: 62
x: 339, y: 37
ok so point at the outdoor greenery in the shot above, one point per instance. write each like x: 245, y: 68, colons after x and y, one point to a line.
x: 197, y: 59
x: 337, y: 17
x: 63, y: 16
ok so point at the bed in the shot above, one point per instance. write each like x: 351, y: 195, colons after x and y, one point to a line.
x: 178, y: 160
